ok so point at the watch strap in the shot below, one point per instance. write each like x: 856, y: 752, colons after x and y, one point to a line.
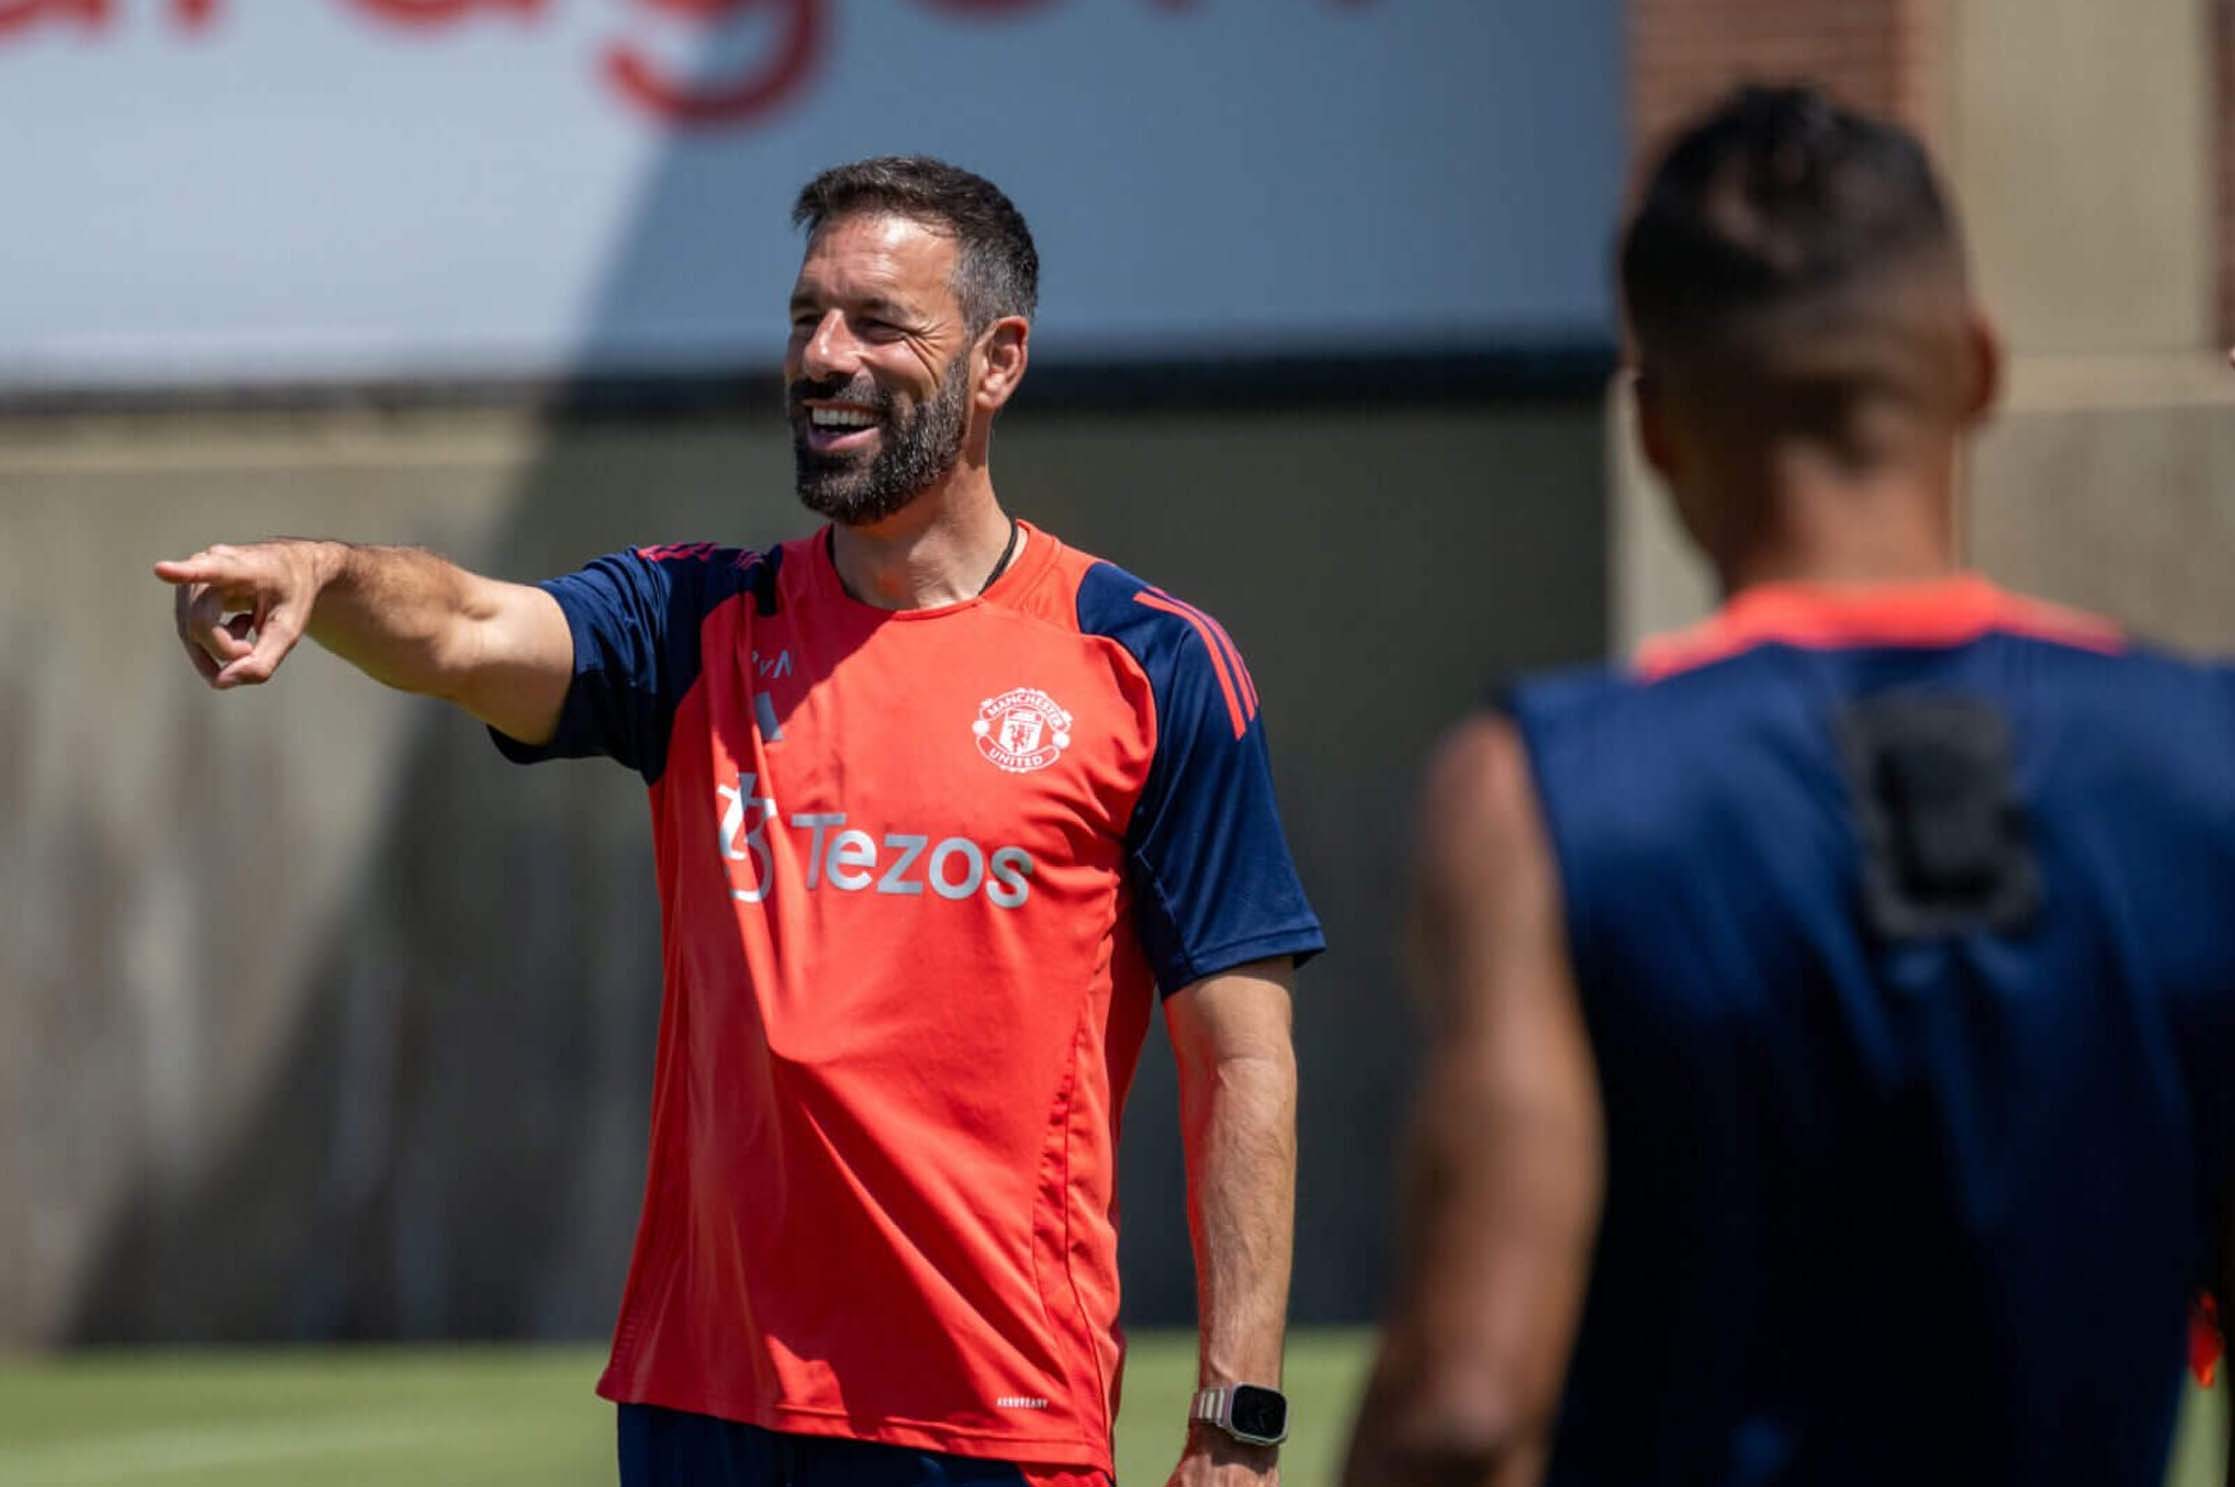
x: 1214, y: 1405
x: 1210, y: 1406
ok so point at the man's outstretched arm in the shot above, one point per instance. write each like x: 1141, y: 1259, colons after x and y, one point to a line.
x: 1231, y: 1039
x: 1505, y: 1166
x: 407, y: 618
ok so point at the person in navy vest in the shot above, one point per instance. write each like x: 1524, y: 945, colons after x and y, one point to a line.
x: 1832, y: 1072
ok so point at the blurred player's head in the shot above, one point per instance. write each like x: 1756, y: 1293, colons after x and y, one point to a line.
x: 1807, y: 350
x: 909, y: 324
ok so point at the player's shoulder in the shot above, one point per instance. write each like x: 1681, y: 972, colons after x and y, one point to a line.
x: 1191, y: 664
x: 706, y: 558
x: 706, y: 574
x: 2151, y: 715
x: 1610, y: 746
x: 1564, y: 698
x: 1171, y: 637
x: 1124, y: 607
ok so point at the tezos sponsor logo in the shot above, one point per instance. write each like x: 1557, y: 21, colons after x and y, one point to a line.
x: 822, y: 848
x: 1022, y: 730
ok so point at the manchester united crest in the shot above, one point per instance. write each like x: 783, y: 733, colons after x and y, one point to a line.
x: 1022, y: 730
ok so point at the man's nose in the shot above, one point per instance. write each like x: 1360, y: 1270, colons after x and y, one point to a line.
x: 831, y: 350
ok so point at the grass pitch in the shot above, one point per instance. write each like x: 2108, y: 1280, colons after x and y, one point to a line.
x: 515, y: 1416
x: 476, y: 1416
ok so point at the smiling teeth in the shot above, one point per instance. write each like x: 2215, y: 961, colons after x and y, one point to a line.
x: 840, y: 418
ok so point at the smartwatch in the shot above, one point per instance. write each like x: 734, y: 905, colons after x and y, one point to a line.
x: 1250, y: 1413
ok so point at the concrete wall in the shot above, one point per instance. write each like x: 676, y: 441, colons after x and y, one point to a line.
x: 2111, y: 486
x: 318, y: 1020
x: 2081, y: 142
x: 2104, y: 483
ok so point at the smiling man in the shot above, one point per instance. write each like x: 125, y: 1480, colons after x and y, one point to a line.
x: 941, y: 806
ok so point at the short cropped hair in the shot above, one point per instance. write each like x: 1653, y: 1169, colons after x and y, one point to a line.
x: 998, y: 269
x: 1776, y: 198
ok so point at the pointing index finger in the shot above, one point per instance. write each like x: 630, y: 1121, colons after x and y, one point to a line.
x: 196, y: 569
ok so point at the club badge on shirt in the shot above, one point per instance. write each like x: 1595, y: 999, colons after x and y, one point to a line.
x: 1022, y: 730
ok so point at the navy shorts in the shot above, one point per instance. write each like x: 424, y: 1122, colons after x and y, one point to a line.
x: 671, y: 1448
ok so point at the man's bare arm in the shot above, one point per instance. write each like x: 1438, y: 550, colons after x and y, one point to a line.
x: 407, y: 618
x: 1231, y: 1038
x: 1505, y: 1165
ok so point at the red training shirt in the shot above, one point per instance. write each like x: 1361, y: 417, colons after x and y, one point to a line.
x: 920, y: 874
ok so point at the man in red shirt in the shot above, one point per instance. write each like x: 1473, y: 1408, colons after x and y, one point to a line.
x: 940, y: 806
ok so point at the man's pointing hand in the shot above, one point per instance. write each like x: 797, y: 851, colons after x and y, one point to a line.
x: 240, y: 610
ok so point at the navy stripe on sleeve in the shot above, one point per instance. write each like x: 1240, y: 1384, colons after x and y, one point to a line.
x: 1214, y: 884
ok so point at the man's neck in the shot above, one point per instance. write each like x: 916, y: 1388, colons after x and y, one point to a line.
x: 1893, y: 525
x: 939, y: 549
x: 1874, y: 562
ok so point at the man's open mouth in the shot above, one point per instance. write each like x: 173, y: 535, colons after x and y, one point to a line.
x: 841, y: 427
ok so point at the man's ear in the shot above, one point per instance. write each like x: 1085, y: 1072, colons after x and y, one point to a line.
x: 1004, y: 349
x: 1983, y: 345
x: 1652, y: 424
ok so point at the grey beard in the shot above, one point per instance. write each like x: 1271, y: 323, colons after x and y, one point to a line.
x: 914, y: 455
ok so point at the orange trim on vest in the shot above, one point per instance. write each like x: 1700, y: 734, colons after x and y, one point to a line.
x: 1932, y: 613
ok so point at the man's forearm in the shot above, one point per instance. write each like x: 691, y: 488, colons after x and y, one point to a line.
x: 504, y: 652
x: 401, y: 615
x: 1240, y: 1114
x: 1232, y: 1039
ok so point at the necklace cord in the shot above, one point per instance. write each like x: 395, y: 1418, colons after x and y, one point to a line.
x: 1000, y: 566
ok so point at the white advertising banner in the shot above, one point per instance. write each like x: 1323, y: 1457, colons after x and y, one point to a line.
x: 254, y: 191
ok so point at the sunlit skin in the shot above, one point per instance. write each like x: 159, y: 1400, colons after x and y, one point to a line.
x: 875, y: 301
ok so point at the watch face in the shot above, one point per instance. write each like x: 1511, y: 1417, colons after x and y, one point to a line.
x: 1259, y: 1412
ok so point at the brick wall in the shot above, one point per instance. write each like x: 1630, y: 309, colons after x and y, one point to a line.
x: 1880, y: 55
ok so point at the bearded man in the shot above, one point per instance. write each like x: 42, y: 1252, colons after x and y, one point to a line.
x: 941, y: 805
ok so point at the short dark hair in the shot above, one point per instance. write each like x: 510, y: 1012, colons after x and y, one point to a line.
x: 1776, y: 198
x: 998, y: 272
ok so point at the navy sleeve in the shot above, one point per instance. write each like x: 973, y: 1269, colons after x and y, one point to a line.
x: 1214, y: 885
x: 635, y: 619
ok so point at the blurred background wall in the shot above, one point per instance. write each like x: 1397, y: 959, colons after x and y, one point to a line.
x: 2091, y: 149
x: 319, y: 1021
x: 323, y: 1021
x: 316, y: 1020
